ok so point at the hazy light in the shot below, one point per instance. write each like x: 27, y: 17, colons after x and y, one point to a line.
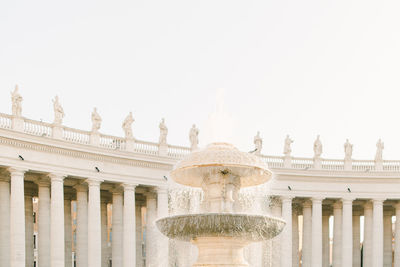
x: 219, y: 126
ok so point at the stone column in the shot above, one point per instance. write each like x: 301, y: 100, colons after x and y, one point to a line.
x: 316, y: 243
x: 367, y: 243
x: 325, y: 238
x: 387, y: 238
x: 5, y: 223
x: 347, y: 232
x: 397, y: 237
x: 306, y: 246
x: 129, y: 237
x: 139, y: 236
x: 295, y: 235
x: 286, y: 235
x: 17, y: 218
x: 57, y: 245
x: 276, y: 242
x: 377, y: 233
x: 337, y: 235
x: 151, y: 250
x: 68, y: 230
x: 94, y: 224
x: 81, y: 250
x: 28, y: 228
x: 104, y: 245
x: 44, y: 222
x: 162, y: 241
x: 356, y: 240
x: 117, y: 227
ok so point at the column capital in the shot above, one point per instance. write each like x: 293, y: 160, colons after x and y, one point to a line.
x: 388, y: 213
x: 43, y: 181
x: 117, y: 189
x: 378, y: 201
x: 56, y: 177
x: 317, y: 200
x: 286, y: 199
x: 347, y: 200
x: 129, y: 186
x: 150, y: 195
x: 337, y: 205
x: 93, y: 182
x: 81, y: 187
x: 16, y: 171
x: 162, y: 190
x: 307, y: 204
x: 368, y: 205
x: 397, y: 205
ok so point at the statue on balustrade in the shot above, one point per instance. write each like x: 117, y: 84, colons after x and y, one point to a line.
x: 163, y: 132
x: 287, y: 149
x: 58, y: 111
x: 258, y: 143
x: 96, y: 121
x: 127, y: 126
x: 379, y: 150
x: 194, y: 137
x: 348, y: 150
x: 16, y: 99
x: 317, y: 148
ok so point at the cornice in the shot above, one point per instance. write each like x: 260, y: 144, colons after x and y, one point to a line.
x: 95, y: 153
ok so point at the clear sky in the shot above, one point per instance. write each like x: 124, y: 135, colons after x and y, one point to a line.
x: 288, y: 67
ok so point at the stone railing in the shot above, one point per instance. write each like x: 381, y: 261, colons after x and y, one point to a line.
x: 48, y: 130
x: 277, y: 162
x: 45, y: 129
x: 76, y: 136
x: 37, y: 128
x: 5, y: 121
x: 178, y: 152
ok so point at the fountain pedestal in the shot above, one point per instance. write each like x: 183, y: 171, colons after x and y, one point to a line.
x: 220, y: 252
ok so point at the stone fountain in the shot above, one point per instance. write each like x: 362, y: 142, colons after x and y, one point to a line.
x: 220, y: 233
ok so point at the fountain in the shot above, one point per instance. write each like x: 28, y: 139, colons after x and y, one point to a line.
x: 220, y: 233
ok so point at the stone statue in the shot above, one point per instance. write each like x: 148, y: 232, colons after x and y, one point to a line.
x: 287, y: 149
x: 379, y: 149
x: 127, y: 126
x: 317, y: 148
x: 16, y: 99
x: 58, y: 111
x: 258, y: 143
x: 96, y: 121
x: 163, y: 132
x: 194, y: 137
x: 348, y: 150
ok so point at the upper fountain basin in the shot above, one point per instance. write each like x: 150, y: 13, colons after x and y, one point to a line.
x: 246, y: 227
x: 224, y: 157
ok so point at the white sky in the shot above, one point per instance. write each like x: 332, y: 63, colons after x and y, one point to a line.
x: 298, y: 67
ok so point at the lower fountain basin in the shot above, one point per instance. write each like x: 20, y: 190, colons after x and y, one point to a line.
x: 247, y: 227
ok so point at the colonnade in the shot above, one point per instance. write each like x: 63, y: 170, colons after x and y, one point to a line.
x: 55, y: 238
x: 345, y: 249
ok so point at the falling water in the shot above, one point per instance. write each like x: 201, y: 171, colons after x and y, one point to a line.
x: 251, y: 200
